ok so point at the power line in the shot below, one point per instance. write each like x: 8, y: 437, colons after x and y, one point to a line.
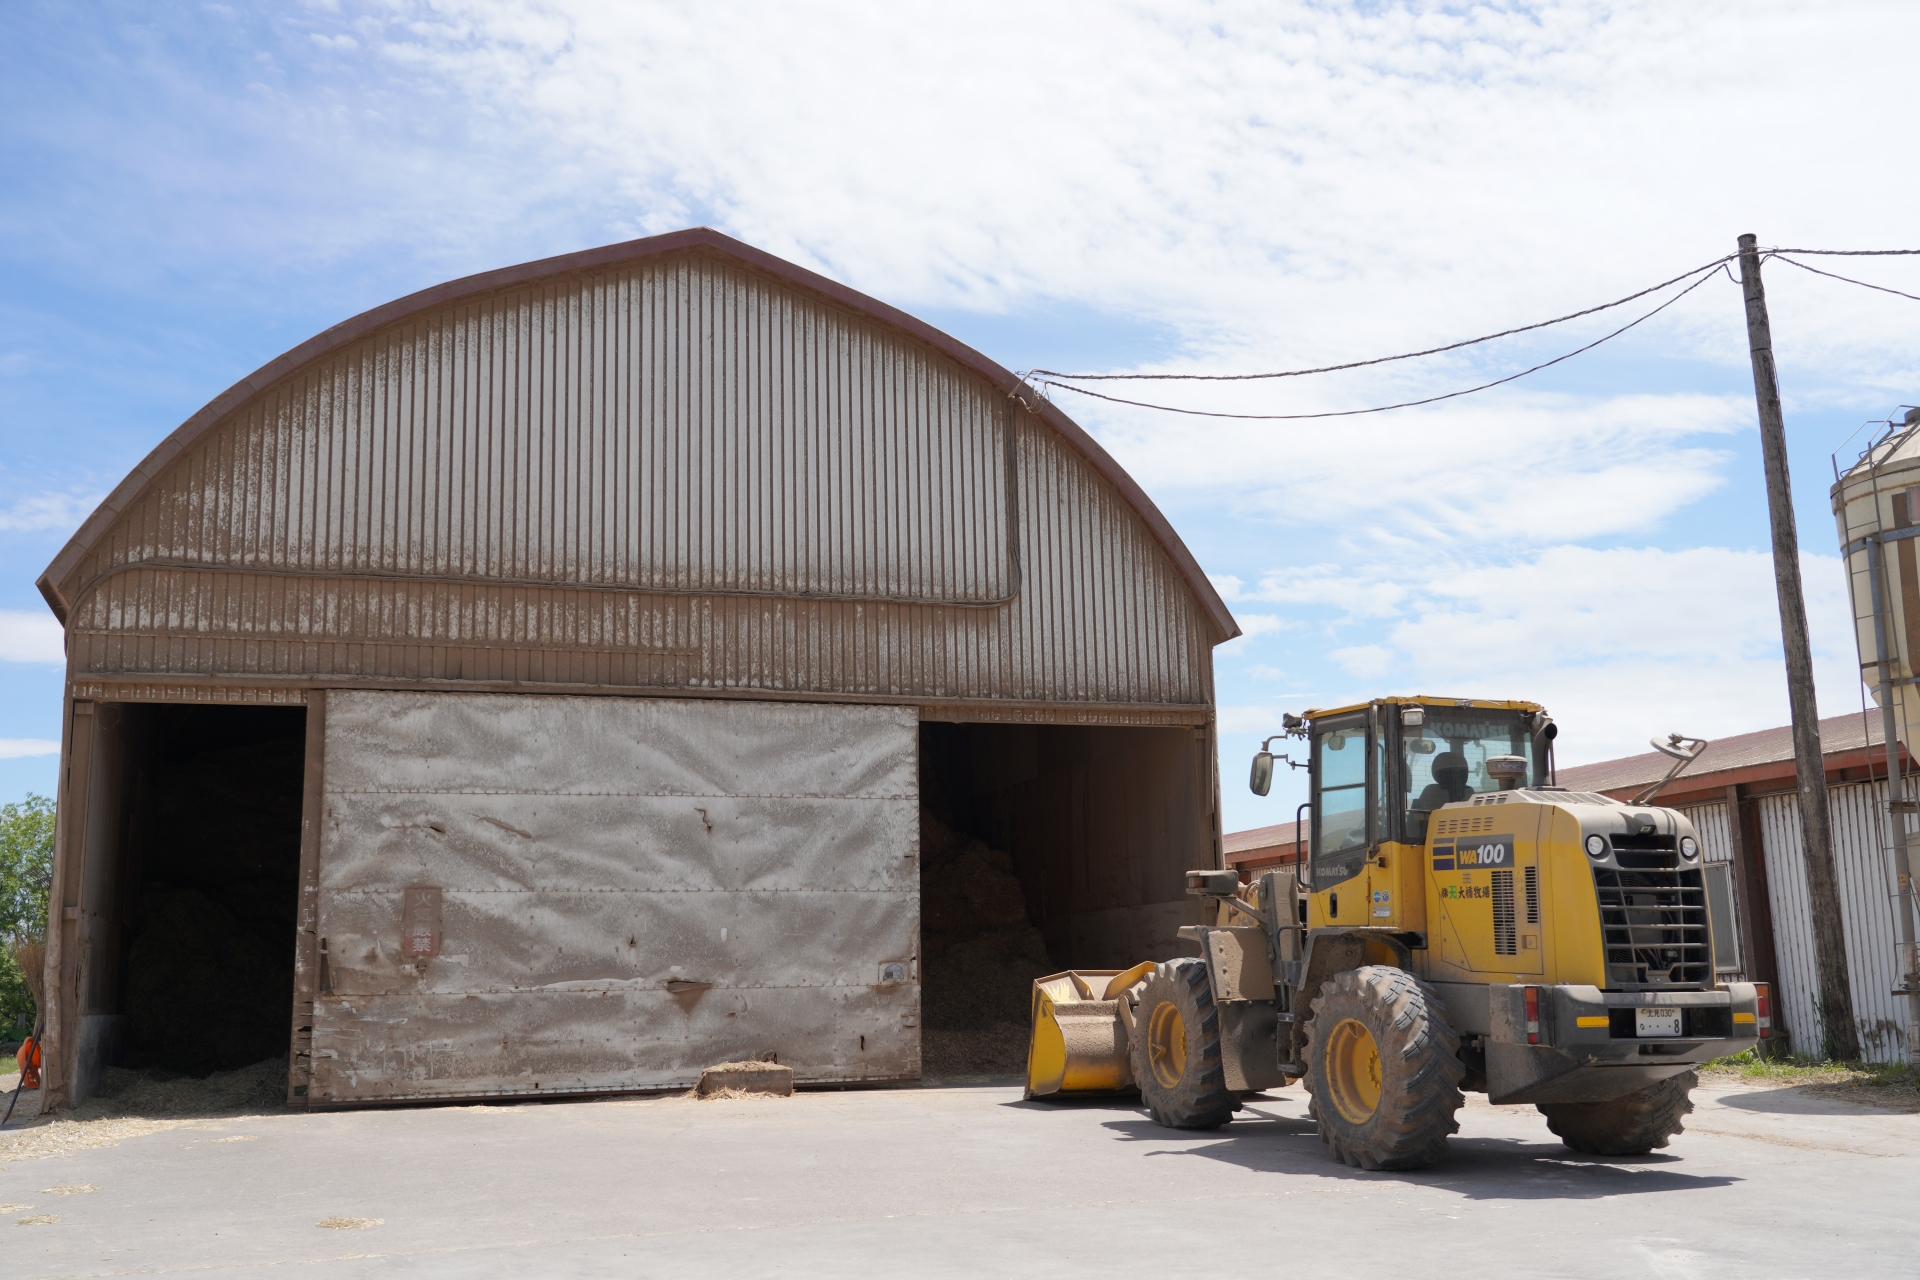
x: 1707, y: 273
x: 1410, y: 355
x: 1853, y: 253
x: 1781, y: 254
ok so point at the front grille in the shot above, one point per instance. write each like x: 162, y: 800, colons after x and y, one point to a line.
x: 1653, y: 924
x: 1504, y: 936
x: 1641, y: 840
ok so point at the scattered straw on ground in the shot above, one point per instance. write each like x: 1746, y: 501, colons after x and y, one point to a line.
x: 14, y: 1208
x: 1868, y: 1084
x: 64, y: 1137
x: 349, y: 1224
x: 736, y: 1095
x: 42, y: 1220
x: 131, y: 1104
x: 80, y: 1190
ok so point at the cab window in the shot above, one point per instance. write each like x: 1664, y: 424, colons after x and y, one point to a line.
x: 1340, y: 800
x: 1444, y: 761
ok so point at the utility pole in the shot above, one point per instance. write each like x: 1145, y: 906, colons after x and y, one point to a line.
x: 1816, y: 826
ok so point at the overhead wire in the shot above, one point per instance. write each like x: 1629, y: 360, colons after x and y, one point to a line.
x: 1781, y: 254
x: 1850, y: 253
x: 1705, y: 274
x: 1699, y: 275
x: 1361, y: 364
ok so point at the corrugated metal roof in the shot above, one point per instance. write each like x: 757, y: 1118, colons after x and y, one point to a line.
x: 1259, y: 838
x: 1838, y: 734
x: 675, y: 464
x: 563, y: 356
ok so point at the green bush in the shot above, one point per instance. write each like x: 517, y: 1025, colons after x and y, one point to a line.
x: 26, y: 875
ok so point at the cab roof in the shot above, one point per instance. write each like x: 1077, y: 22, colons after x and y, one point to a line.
x: 1421, y: 699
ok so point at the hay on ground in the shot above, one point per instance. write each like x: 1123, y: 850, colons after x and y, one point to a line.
x: 131, y: 1104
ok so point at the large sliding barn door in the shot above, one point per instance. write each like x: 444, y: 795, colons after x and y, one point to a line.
x: 529, y: 894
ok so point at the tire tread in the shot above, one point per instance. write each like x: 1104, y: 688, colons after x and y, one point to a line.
x: 1201, y: 1100
x: 1418, y: 1105
x: 1629, y: 1126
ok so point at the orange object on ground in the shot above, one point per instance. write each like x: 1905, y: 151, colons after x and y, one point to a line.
x: 28, y: 1060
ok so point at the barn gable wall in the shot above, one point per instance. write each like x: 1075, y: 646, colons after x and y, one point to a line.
x: 672, y: 473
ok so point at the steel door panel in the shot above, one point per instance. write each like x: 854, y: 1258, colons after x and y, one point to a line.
x: 629, y: 890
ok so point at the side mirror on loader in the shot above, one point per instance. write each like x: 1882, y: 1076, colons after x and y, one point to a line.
x: 1262, y: 780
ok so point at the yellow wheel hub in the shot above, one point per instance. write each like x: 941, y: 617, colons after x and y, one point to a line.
x: 1167, y: 1044
x: 1353, y: 1071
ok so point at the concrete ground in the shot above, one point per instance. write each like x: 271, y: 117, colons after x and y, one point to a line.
x: 961, y: 1182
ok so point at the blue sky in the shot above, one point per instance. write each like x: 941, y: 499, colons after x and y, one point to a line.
x: 191, y: 190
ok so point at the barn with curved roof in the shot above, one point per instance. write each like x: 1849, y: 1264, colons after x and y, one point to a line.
x: 570, y: 676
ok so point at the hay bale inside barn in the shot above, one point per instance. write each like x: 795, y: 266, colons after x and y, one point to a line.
x: 567, y: 678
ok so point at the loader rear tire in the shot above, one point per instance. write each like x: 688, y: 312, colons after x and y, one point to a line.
x: 1629, y: 1126
x: 1176, y: 1049
x: 1384, y: 1069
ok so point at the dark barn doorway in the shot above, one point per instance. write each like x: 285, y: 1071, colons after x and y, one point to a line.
x: 1046, y: 847
x: 192, y: 869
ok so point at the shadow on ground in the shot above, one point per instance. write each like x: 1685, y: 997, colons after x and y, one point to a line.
x: 1477, y: 1168
x: 1825, y: 1100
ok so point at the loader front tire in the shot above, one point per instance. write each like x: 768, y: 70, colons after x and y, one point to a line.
x: 1629, y: 1126
x: 1176, y: 1049
x: 1384, y: 1069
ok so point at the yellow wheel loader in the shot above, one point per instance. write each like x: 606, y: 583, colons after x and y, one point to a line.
x: 1455, y: 922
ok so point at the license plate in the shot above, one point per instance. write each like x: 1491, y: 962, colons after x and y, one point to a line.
x: 1656, y: 1022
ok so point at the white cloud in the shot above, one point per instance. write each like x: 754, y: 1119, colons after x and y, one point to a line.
x: 1464, y: 476
x: 1285, y: 182
x: 1364, y: 662
x: 15, y: 748
x: 26, y: 636
x: 1253, y: 625
x: 41, y: 511
x: 1620, y: 643
x: 1329, y: 584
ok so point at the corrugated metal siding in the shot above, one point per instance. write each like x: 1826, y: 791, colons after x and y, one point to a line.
x: 673, y: 474
x: 1865, y: 880
x: 591, y: 853
x: 1716, y: 845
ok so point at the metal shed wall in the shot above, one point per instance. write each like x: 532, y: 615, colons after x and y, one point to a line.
x: 1859, y: 854
x: 673, y: 473
x: 626, y: 890
x: 1872, y: 941
x: 1716, y: 846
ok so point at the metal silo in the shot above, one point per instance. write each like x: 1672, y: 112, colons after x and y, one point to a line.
x: 1877, y: 504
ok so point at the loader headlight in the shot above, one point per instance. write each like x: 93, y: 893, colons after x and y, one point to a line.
x: 1689, y: 848
x: 1597, y: 846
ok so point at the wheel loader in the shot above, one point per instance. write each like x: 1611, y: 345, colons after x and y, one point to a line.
x: 1454, y: 921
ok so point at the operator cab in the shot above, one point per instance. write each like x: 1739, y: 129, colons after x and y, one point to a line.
x: 1378, y: 771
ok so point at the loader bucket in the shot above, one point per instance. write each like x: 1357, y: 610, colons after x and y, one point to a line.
x: 1081, y: 1021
